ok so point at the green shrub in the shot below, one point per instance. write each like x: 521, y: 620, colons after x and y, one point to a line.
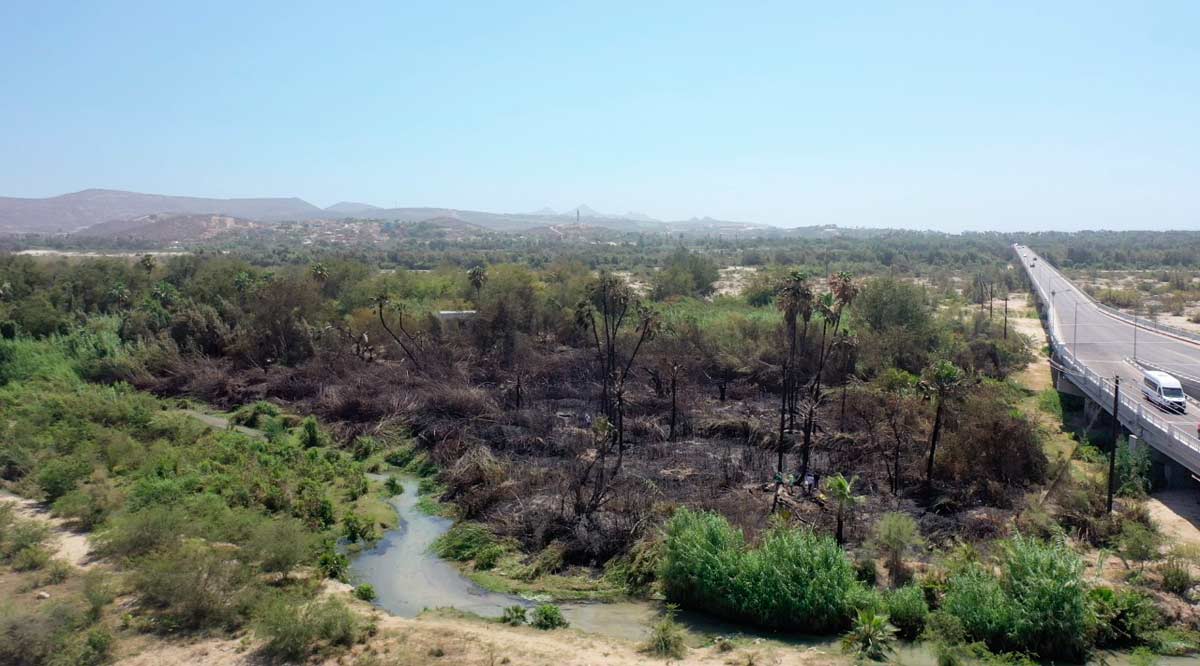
x: 1138, y: 543
x: 195, y: 585
x: 333, y: 564
x: 59, y: 476
x: 487, y: 557
x: 393, y: 486
x: 356, y: 528
x: 254, y: 414
x: 1121, y: 617
x: 97, y: 593
x: 514, y: 615
x: 1176, y: 577
x: 895, y: 535
x: 548, y: 616
x: 30, y: 558
x: 1037, y: 606
x: 22, y: 535
x: 37, y: 635
x: 57, y: 571
x: 550, y: 560
x: 866, y: 572
x: 871, y: 637
x: 666, y: 638
x: 463, y: 541
x: 366, y: 592
x: 794, y: 579
x: 292, y: 630
x: 280, y: 545
x: 907, y: 610
x: 140, y: 532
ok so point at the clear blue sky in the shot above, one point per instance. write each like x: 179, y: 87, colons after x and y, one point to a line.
x: 953, y: 116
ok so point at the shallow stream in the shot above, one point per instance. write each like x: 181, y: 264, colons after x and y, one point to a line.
x: 408, y: 578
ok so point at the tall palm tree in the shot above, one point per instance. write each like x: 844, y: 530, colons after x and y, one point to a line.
x: 477, y: 276
x: 794, y: 298
x: 841, y: 490
x: 942, y: 381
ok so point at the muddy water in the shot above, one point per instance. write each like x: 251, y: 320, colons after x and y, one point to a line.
x: 408, y: 578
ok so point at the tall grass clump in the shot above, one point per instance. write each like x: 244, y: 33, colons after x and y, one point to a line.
x: 1038, y: 604
x: 794, y: 579
x: 463, y: 542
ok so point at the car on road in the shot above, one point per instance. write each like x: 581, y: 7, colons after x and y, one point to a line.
x: 1164, y: 391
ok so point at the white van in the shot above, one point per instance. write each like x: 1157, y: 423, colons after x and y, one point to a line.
x: 1164, y: 390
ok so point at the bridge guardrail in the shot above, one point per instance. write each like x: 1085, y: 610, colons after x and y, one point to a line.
x: 1184, y: 447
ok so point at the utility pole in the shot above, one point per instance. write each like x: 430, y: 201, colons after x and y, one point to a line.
x: 1006, y: 315
x: 1112, y: 453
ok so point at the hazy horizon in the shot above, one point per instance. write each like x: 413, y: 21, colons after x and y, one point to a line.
x: 943, y: 117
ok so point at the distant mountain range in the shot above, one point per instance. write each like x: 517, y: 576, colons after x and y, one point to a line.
x: 121, y: 211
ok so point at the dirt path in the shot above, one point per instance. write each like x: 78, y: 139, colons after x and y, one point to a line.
x: 221, y: 423
x: 439, y: 639
x: 65, y: 544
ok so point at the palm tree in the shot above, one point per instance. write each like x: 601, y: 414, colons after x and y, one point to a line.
x: 148, y: 262
x: 794, y: 298
x: 941, y: 381
x: 477, y: 275
x: 841, y: 490
x: 871, y: 638
x: 319, y: 272
x: 119, y: 294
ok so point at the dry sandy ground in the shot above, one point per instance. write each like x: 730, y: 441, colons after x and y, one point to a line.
x: 471, y: 642
x: 1177, y: 514
x: 66, y: 545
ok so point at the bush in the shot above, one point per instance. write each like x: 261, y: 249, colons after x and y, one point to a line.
x: 514, y: 615
x: 794, y: 579
x: 463, y: 541
x: 1176, y: 577
x: 333, y: 564
x: 666, y: 638
x: 30, y: 558
x: 866, y: 572
x: 34, y: 636
x: 294, y: 630
x: 895, y: 535
x: 137, y: 533
x: 22, y: 535
x: 196, y: 585
x: 1121, y: 618
x: 280, y: 545
x: 1138, y: 543
x: 487, y: 557
x: 548, y: 616
x: 254, y: 415
x: 366, y: 592
x: 1037, y: 606
x: 393, y: 486
x: 907, y: 610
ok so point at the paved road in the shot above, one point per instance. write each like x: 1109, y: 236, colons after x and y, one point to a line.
x: 1103, y: 342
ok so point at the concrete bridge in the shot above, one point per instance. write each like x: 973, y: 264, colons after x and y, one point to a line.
x: 1092, y: 345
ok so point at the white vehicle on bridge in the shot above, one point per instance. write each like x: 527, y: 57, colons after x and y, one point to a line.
x: 1164, y: 390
